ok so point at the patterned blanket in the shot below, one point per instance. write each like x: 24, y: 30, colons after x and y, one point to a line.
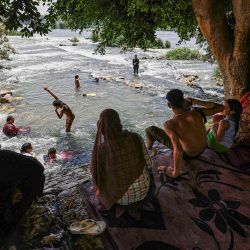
x: 206, y: 207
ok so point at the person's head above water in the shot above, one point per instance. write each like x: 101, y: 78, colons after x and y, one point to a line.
x: 57, y: 103
x: 26, y: 148
x: 77, y: 77
x: 175, y: 98
x: 10, y: 119
x: 135, y: 56
x: 52, y: 153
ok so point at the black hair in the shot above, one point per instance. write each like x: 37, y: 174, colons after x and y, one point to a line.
x: 57, y: 103
x: 76, y: 76
x: 9, y: 117
x: 25, y: 146
x: 175, y: 98
x: 235, y: 106
x: 51, y: 150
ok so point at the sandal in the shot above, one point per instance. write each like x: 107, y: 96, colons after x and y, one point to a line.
x: 88, y: 226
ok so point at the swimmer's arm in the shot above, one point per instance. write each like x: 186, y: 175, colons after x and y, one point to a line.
x: 47, y: 89
x: 59, y: 115
x: 219, y: 134
x: 177, y: 150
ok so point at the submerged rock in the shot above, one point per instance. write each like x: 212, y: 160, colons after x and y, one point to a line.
x: 187, y: 79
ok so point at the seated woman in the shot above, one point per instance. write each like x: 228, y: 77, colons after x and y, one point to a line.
x: 119, y: 164
x: 221, y: 138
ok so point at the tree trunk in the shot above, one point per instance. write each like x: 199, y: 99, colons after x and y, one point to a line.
x: 230, y: 48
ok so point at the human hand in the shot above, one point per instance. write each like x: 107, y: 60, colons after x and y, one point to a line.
x: 46, y: 87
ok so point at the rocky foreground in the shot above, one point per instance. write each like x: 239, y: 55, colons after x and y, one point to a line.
x: 47, y: 221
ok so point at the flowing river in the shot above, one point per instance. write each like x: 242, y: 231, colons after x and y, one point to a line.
x: 41, y: 61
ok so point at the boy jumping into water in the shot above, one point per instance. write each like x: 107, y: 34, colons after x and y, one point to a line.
x: 65, y: 109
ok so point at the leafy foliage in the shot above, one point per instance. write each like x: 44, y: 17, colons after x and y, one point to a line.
x: 133, y: 20
x: 183, y: 54
x: 23, y: 14
x: 217, y: 73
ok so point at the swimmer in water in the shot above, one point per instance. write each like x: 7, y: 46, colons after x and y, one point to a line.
x: 26, y: 149
x: 52, y: 156
x: 65, y: 109
x: 9, y: 128
x: 77, y: 82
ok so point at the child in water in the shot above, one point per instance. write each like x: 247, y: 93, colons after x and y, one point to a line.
x: 9, y: 128
x: 65, y: 109
x: 26, y: 149
x: 77, y: 82
x: 51, y: 156
x: 222, y: 138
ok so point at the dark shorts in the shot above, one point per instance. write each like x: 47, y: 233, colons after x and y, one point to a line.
x: 157, y: 134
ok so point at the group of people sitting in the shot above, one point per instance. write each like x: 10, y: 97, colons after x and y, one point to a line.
x: 120, y: 164
x: 120, y: 160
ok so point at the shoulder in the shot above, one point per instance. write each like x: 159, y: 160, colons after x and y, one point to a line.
x: 169, y: 125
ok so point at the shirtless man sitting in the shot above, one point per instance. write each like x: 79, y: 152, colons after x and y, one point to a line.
x: 65, y: 109
x: 185, y: 133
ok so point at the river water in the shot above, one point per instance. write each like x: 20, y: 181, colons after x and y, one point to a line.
x: 41, y: 61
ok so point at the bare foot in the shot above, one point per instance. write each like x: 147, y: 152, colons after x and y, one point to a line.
x: 169, y: 171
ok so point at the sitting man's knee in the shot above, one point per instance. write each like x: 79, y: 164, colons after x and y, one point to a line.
x: 150, y: 129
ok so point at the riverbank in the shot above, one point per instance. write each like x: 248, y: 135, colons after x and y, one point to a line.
x: 46, y: 223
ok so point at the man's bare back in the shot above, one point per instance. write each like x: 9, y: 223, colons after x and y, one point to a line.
x: 189, y: 126
x: 185, y: 133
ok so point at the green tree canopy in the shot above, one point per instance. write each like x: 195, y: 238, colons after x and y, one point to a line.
x: 225, y: 24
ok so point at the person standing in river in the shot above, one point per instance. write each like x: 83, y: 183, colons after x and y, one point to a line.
x: 136, y: 65
x: 77, y: 82
x: 65, y: 109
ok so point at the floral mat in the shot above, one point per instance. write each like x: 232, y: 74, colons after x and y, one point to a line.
x: 206, y: 207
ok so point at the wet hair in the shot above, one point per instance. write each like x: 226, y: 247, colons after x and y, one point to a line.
x: 57, y: 103
x: 9, y: 117
x: 25, y: 146
x: 76, y: 76
x: 235, y: 106
x: 51, y: 151
x: 175, y: 98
